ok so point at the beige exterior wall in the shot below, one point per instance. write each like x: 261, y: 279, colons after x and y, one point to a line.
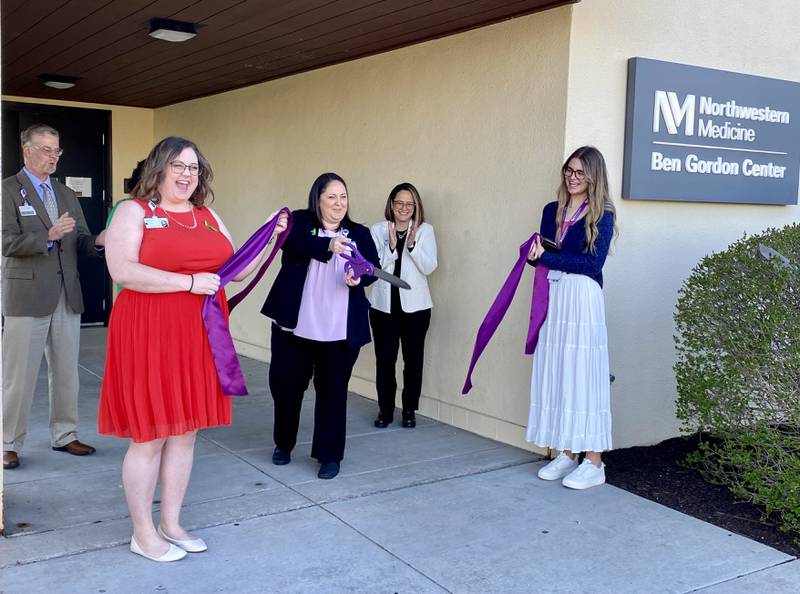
x: 131, y: 136
x: 661, y: 241
x: 476, y: 121
x: 480, y: 121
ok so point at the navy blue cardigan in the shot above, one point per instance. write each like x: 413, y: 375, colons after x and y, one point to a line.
x: 303, y: 244
x: 573, y: 257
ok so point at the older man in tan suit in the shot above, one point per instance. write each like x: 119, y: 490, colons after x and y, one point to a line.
x: 43, y: 233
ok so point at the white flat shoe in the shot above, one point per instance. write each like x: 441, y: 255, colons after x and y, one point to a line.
x: 196, y: 545
x: 173, y: 553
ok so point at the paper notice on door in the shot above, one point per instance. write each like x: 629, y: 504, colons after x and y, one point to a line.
x: 82, y: 186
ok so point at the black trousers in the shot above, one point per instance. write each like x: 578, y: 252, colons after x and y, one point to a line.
x: 390, y: 332
x: 294, y: 361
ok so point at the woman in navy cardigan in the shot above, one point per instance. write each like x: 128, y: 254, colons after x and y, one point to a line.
x: 320, y: 322
x: 570, y: 392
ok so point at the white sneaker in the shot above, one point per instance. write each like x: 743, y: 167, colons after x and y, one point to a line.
x: 557, y: 468
x: 585, y: 476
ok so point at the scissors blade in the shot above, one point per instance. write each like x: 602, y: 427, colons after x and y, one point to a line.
x: 390, y: 278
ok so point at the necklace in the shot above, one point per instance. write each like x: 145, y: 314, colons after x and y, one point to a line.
x: 177, y: 222
x: 401, y: 234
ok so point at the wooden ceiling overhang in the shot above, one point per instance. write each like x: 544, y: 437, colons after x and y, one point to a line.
x: 239, y: 42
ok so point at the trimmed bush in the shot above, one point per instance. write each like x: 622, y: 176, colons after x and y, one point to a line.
x: 738, y: 371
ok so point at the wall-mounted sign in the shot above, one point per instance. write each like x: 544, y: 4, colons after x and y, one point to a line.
x: 82, y: 186
x: 705, y: 135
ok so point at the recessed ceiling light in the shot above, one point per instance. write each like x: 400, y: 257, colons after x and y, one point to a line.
x: 59, y: 81
x: 169, y: 30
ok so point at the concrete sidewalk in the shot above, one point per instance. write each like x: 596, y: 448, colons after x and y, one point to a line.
x: 433, y: 509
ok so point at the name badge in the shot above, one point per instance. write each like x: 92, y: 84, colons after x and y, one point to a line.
x: 155, y: 222
x: 26, y: 210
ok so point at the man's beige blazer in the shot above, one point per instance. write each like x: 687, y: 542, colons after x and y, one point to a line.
x: 32, y: 272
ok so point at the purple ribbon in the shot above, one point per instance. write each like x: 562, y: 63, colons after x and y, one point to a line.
x: 219, y: 333
x: 497, y: 311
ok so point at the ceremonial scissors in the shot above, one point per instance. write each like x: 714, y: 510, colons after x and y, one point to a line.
x: 361, y: 266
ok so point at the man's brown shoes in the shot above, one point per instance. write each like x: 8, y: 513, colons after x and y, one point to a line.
x: 76, y: 448
x: 10, y: 460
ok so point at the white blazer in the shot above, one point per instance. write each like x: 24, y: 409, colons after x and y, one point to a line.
x: 417, y: 265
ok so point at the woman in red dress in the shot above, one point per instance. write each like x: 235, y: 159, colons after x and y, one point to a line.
x: 160, y: 384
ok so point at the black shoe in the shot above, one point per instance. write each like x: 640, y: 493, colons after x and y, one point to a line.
x: 409, y: 419
x: 281, y: 457
x: 383, y: 421
x: 328, y: 470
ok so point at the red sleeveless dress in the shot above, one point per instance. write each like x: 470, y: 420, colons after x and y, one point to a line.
x: 160, y: 378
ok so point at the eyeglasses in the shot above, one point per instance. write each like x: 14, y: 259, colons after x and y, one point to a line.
x: 50, y: 152
x: 579, y: 174
x: 178, y: 167
x: 402, y: 205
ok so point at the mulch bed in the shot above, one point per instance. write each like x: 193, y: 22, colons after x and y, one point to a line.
x: 659, y: 473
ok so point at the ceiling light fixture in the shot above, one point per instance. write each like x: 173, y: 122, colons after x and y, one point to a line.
x: 59, y: 81
x: 169, y: 30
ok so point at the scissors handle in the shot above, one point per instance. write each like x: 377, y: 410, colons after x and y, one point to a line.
x: 357, y: 263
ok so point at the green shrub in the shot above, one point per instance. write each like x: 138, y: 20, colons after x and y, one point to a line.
x: 738, y: 371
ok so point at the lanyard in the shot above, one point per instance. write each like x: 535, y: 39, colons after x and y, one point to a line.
x: 562, y: 232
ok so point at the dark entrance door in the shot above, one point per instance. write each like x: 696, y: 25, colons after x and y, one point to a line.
x: 85, y: 138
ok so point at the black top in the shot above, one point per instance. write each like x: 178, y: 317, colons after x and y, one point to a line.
x: 395, y: 306
x: 303, y: 243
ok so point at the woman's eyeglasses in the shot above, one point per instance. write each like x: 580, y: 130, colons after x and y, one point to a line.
x: 402, y: 205
x: 578, y: 173
x: 178, y: 167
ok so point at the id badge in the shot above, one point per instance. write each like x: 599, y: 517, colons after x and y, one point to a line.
x: 155, y: 222
x: 26, y: 210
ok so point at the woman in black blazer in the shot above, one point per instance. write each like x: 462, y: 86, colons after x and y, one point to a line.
x: 320, y: 322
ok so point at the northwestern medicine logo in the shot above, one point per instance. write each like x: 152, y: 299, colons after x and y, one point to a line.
x: 705, y: 117
x: 673, y: 112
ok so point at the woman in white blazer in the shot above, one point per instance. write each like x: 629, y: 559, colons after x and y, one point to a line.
x: 400, y: 317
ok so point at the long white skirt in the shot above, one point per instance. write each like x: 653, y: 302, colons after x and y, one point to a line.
x: 570, y: 389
